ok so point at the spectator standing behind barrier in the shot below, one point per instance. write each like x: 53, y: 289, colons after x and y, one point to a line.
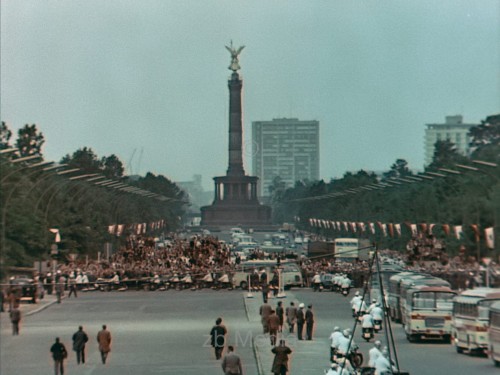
x: 80, y: 338
x: 59, y: 354
x: 291, y: 316
x: 218, y: 339
x: 231, y: 364
x: 300, y: 321
x: 104, y: 340
x: 15, y: 318
x: 280, y: 362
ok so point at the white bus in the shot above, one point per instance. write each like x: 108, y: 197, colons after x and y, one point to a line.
x: 291, y: 273
x: 350, y: 249
x: 428, y: 312
x: 470, y: 319
x: 494, y: 333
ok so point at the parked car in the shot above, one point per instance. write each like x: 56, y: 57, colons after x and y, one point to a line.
x: 25, y: 288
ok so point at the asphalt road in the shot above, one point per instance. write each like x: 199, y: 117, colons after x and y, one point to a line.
x: 153, y: 333
x: 167, y: 332
x: 424, y: 358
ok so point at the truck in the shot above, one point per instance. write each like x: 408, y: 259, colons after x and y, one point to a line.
x: 319, y: 248
x: 343, y: 249
x: 351, y: 249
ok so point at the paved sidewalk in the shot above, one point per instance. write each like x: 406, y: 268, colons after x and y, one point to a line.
x: 308, y: 357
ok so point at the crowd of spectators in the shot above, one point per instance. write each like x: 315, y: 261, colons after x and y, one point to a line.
x: 198, y: 255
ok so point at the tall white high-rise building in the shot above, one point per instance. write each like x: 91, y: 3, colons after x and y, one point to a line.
x: 453, y: 130
x: 285, y: 147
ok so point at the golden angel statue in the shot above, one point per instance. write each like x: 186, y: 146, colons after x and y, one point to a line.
x: 235, y: 66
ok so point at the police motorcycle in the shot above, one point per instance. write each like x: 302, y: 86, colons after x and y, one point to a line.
x: 354, y: 356
x: 377, y: 325
x: 367, y: 333
x: 187, y: 282
x: 206, y: 281
x: 345, y: 291
x: 157, y: 283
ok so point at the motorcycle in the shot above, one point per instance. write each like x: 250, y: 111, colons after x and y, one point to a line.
x: 354, y: 356
x: 367, y: 333
x: 377, y: 325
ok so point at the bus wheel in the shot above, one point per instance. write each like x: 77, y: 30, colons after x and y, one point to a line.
x: 447, y: 339
x: 411, y: 338
x: 459, y: 349
x: 497, y: 363
x: 243, y: 285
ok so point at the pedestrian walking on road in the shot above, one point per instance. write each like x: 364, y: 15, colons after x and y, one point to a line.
x: 309, y: 322
x: 218, y: 337
x: 280, y: 362
x: 300, y: 321
x: 15, y: 318
x: 280, y: 312
x: 61, y: 281
x: 265, y: 312
x: 59, y: 354
x: 231, y: 364
x: 104, y: 340
x: 291, y: 316
x: 273, y: 323
x: 80, y: 338
x: 265, y: 291
x: 72, y: 287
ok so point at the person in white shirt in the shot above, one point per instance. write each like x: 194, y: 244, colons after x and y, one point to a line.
x: 367, y: 321
x: 372, y: 305
x: 316, y: 281
x: 344, y: 341
x: 383, y: 364
x: 374, y: 353
x: 334, y: 341
x: 332, y: 370
x: 378, y: 315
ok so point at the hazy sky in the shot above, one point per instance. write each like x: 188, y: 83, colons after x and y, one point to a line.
x: 151, y: 76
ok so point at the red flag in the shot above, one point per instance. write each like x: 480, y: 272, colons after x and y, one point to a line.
x: 390, y: 226
x: 475, y: 229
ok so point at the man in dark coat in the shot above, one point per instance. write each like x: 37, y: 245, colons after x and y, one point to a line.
x: 309, y: 322
x: 273, y: 323
x: 15, y: 318
x: 265, y: 311
x: 59, y: 354
x: 280, y: 312
x: 300, y: 321
x: 231, y: 364
x: 280, y: 362
x: 80, y: 338
x: 218, y: 339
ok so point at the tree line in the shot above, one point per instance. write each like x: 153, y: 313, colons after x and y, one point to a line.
x: 454, y: 189
x: 71, y: 196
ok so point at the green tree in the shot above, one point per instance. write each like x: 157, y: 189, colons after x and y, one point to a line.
x: 112, y: 166
x: 30, y: 141
x: 5, y: 135
x: 446, y: 155
x: 398, y: 169
x: 85, y: 159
